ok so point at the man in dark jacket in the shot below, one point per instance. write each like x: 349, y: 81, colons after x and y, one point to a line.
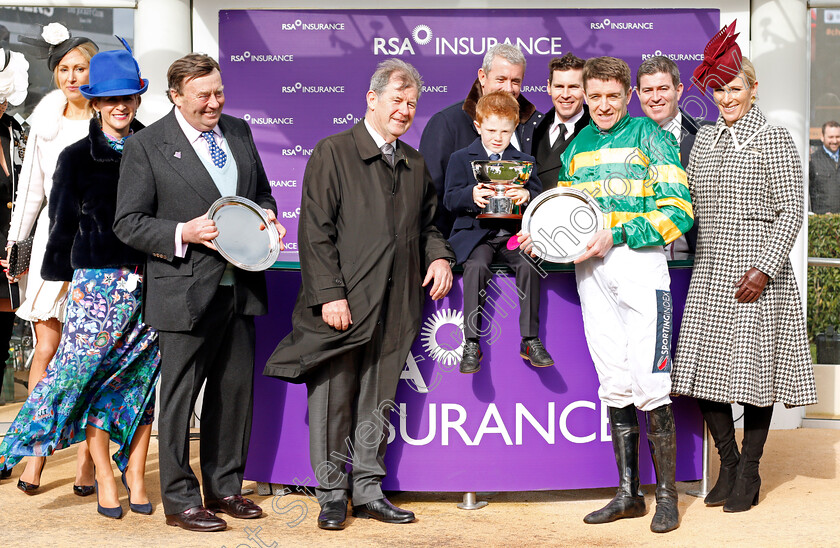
x: 452, y: 128
x: 368, y: 246
x: 659, y: 89
x: 823, y: 175
x: 566, y: 119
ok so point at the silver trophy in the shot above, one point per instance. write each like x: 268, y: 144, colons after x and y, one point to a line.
x: 501, y: 175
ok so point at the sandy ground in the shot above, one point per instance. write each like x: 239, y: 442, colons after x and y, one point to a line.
x: 798, y: 507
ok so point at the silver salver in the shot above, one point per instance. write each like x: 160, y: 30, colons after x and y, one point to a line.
x: 561, y: 221
x: 240, y: 239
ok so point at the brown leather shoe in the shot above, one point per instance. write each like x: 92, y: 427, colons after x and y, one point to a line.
x: 197, y: 518
x: 235, y: 506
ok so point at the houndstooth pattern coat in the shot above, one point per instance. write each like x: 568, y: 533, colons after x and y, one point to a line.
x: 746, y: 188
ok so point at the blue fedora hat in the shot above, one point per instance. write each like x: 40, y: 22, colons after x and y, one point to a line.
x: 113, y: 74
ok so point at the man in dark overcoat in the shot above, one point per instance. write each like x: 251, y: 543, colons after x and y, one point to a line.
x: 368, y: 246
x: 451, y: 129
x: 202, y: 306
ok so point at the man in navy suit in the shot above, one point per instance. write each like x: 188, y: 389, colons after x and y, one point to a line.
x: 479, y: 242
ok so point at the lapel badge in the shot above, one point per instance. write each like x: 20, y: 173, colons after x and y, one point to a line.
x: 178, y: 154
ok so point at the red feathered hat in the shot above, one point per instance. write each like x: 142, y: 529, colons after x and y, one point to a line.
x: 721, y: 60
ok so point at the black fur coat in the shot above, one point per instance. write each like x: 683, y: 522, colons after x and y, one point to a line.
x: 82, y: 207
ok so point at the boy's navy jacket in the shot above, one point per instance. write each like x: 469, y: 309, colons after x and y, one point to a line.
x: 467, y: 232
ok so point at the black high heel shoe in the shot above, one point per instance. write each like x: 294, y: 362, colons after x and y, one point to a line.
x: 32, y: 488
x: 145, y: 509
x: 5, y: 473
x: 113, y: 513
x: 83, y: 490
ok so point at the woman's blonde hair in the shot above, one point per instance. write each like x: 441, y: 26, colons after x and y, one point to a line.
x: 87, y: 49
x: 749, y: 71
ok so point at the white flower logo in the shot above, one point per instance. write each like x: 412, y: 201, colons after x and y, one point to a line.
x: 421, y: 34
x: 443, y: 336
x: 55, y: 33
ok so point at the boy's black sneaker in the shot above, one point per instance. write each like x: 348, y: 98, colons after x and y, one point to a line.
x: 533, y: 350
x: 471, y: 358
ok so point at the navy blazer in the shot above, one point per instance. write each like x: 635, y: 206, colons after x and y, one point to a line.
x: 467, y: 232
x: 452, y: 129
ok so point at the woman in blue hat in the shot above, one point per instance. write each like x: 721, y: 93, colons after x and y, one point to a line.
x: 100, y: 385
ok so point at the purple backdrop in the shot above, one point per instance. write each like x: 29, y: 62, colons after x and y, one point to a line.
x: 509, y: 427
x: 298, y: 76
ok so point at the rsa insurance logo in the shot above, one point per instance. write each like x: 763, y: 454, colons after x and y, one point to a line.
x: 300, y: 25
x: 423, y: 35
x: 608, y: 24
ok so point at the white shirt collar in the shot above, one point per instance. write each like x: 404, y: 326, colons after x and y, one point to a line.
x: 674, y: 125
x: 378, y: 139
x: 193, y: 135
x: 570, y: 124
x: 489, y: 152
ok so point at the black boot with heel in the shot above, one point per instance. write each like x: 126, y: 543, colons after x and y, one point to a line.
x: 744, y: 493
x: 718, y: 417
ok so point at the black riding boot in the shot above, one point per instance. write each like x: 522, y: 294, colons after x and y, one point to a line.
x: 744, y: 493
x: 627, y: 502
x: 718, y: 417
x: 662, y: 439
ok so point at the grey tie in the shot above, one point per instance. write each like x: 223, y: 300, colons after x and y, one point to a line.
x: 495, y: 157
x: 388, y: 152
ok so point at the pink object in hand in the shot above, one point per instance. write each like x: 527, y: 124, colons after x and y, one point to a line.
x: 513, y: 243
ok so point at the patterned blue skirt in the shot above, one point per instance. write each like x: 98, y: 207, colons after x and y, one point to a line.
x: 103, y: 373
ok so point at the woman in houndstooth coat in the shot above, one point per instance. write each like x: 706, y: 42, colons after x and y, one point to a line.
x: 743, y: 336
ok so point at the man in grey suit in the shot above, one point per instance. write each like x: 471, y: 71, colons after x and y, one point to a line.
x: 202, y: 306
x: 659, y: 88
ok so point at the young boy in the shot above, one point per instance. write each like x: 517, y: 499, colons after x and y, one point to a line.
x: 480, y: 242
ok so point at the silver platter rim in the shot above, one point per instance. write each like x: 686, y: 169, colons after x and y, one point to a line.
x: 555, y: 193
x: 274, y: 236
